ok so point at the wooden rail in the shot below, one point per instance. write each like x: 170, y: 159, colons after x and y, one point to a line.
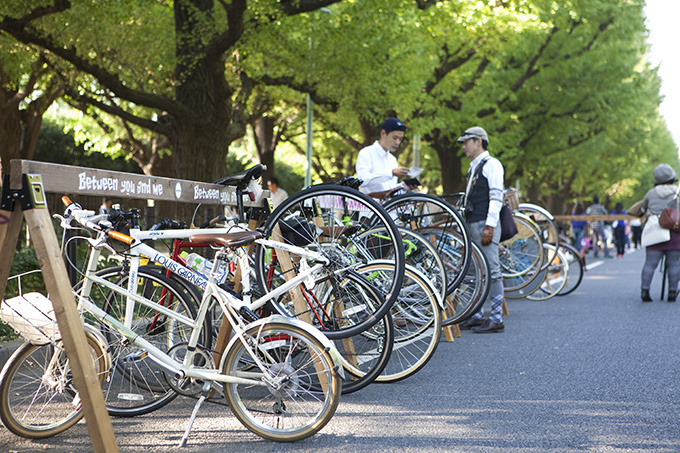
x: 590, y: 218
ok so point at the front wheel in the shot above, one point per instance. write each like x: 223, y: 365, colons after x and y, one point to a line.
x: 38, y: 398
x: 304, y: 390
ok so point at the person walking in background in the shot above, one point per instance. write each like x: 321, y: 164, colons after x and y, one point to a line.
x: 636, y: 231
x: 278, y: 194
x: 597, y: 227
x: 619, y: 230
x: 483, y: 202
x: 654, y: 203
x: 106, y: 206
x: 578, y: 227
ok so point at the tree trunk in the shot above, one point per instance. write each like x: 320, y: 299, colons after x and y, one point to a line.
x: 453, y: 179
x: 265, y: 142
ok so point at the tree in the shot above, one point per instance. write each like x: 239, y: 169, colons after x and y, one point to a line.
x: 27, y: 89
x: 180, y: 61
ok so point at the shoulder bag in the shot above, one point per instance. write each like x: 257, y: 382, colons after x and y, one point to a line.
x: 653, y: 233
x: 508, y: 225
x: 670, y: 217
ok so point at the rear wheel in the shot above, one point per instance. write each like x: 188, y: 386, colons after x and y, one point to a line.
x: 418, y: 211
x: 137, y: 385
x: 38, y: 396
x: 333, y: 221
x: 305, y: 390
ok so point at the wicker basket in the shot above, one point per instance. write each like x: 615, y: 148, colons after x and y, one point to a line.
x: 511, y: 198
x: 31, y: 316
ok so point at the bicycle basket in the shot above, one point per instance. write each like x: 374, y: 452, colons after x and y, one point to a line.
x: 31, y: 316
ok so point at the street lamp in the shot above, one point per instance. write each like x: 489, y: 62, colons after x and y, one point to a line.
x: 310, y: 119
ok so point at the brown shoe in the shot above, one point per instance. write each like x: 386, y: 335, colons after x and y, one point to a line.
x: 470, y: 323
x: 489, y: 327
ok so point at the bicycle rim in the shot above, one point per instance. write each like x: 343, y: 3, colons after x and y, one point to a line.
x: 308, y: 394
x: 330, y: 220
x: 39, y: 399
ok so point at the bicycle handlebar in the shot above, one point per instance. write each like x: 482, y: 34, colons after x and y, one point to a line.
x: 93, y: 221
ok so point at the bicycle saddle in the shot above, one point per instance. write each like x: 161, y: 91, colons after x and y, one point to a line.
x: 231, y: 240
x: 241, y: 180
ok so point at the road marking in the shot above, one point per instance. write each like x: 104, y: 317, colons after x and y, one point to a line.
x: 594, y: 265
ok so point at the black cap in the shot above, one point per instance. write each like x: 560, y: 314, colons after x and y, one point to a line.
x: 393, y: 124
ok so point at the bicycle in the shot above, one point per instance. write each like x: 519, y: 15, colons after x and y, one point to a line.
x: 280, y: 377
x: 37, y: 395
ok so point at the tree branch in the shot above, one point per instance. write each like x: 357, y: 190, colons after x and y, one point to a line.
x: 29, y: 36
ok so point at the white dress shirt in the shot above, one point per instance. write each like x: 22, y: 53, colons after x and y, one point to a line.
x: 494, y: 173
x: 374, y: 166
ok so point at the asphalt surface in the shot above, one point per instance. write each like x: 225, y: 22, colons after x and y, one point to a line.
x: 594, y: 371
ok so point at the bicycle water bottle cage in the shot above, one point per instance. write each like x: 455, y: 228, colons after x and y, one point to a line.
x: 241, y: 180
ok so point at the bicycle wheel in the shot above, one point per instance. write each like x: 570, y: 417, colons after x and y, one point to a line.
x: 38, y: 396
x: 556, y: 275
x: 137, y: 385
x: 416, y: 317
x: 330, y: 220
x: 468, y: 298
x: 450, y: 247
x: 576, y: 269
x: 521, y: 257
x: 421, y: 254
x: 418, y: 210
x: 547, y: 227
x: 308, y: 391
x: 364, y: 356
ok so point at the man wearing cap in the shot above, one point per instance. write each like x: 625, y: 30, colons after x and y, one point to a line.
x: 376, y: 165
x: 597, y: 227
x: 483, y: 202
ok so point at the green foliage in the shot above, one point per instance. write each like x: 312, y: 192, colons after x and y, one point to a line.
x: 563, y: 88
x: 60, y: 147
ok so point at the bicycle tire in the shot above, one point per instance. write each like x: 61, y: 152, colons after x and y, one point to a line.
x: 420, y: 253
x: 547, y: 227
x: 364, y: 356
x: 303, y: 404
x: 576, y: 269
x: 417, y: 318
x: 297, y: 221
x: 521, y: 257
x: 418, y: 210
x: 471, y: 294
x: 37, y: 394
x: 556, y: 275
x: 136, y: 384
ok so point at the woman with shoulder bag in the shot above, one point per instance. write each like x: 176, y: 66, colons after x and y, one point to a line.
x: 653, y: 204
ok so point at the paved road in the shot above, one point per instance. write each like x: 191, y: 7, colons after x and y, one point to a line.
x: 593, y: 371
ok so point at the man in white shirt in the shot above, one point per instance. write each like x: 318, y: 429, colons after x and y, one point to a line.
x: 376, y: 165
x: 278, y: 194
x: 483, y: 202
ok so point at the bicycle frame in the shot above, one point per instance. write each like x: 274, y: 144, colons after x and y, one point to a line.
x: 229, y: 303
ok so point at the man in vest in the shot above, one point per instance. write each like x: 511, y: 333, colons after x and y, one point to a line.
x: 483, y: 202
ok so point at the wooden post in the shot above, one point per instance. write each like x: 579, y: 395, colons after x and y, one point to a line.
x: 47, y: 250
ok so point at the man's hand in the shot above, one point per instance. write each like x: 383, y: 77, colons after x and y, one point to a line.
x: 400, y: 172
x: 487, y: 235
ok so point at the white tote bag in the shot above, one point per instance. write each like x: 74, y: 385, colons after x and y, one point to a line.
x: 653, y: 233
